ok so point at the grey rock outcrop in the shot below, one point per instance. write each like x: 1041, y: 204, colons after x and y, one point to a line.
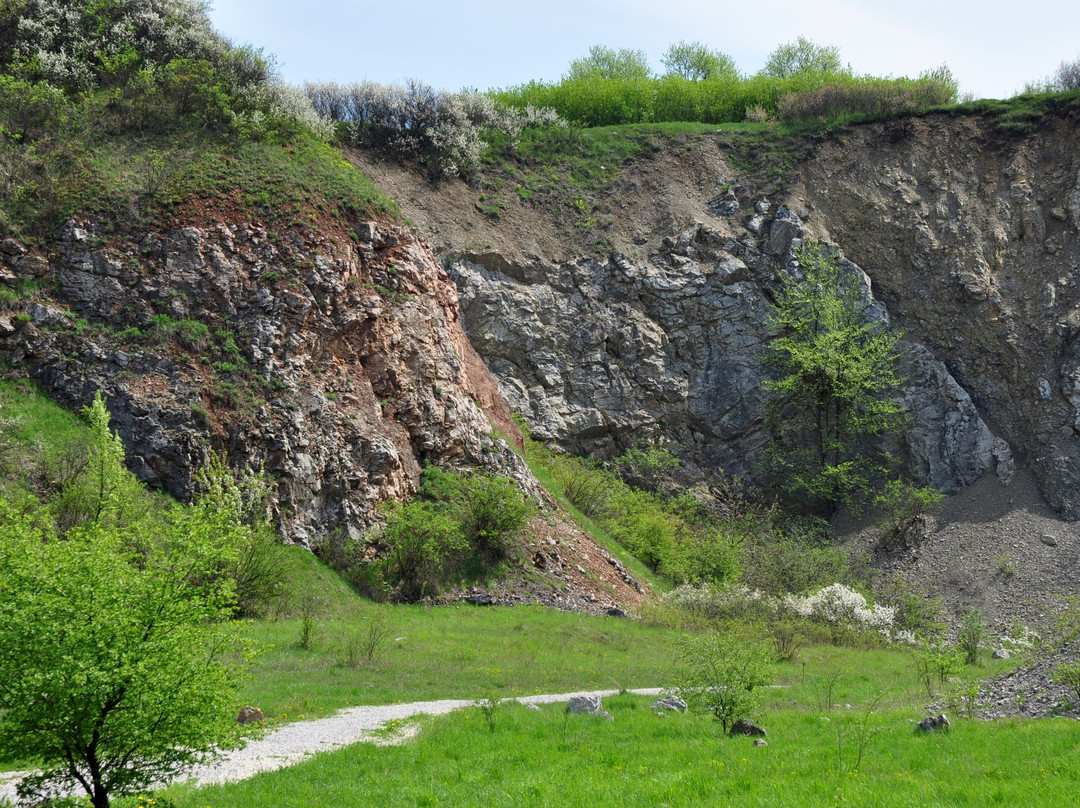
x: 602, y: 354
x: 669, y: 703
x: 934, y: 723
x: 744, y: 726
x: 972, y: 238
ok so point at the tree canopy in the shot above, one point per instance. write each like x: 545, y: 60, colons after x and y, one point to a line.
x: 113, y: 637
x: 606, y: 63
x: 696, y: 62
x: 803, y: 57
x: 835, y: 366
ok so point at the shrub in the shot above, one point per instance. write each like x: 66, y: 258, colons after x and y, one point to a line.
x: 973, y: 632
x: 495, y: 513
x: 1065, y: 79
x: 152, y: 56
x: 422, y: 538
x: 449, y: 132
x: 1068, y: 674
x: 723, y: 675
x: 866, y: 96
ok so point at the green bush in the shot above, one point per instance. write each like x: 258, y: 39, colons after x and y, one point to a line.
x: 422, y: 539
x: 723, y: 674
x: 494, y: 515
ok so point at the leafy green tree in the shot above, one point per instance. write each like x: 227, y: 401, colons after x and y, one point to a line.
x: 112, y: 672
x: 835, y: 366
x: 696, y: 62
x: 803, y: 57
x: 105, y: 492
x: 605, y: 63
x: 723, y: 674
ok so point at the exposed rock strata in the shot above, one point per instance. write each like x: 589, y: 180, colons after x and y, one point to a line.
x: 338, y: 367
x: 602, y: 354
x: 972, y: 240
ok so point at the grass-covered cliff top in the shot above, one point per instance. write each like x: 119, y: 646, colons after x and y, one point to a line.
x: 140, y: 112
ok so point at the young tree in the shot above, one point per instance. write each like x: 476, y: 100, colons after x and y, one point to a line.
x: 803, y: 57
x: 605, y: 63
x: 723, y: 675
x: 834, y: 367
x: 112, y: 672
x: 695, y: 61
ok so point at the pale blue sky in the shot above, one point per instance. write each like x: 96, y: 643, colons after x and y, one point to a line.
x: 992, y: 47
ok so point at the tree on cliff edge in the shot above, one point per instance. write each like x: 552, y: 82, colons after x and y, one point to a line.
x: 834, y: 369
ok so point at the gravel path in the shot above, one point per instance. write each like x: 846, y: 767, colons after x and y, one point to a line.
x: 294, y: 742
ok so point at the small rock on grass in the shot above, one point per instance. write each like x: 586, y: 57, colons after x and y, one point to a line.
x: 744, y: 726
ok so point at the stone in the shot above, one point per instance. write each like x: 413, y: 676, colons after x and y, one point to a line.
x: 1000, y: 653
x: 785, y: 227
x: 249, y: 715
x: 532, y: 708
x: 7, y: 328
x: 588, y: 705
x: 932, y: 723
x: 760, y: 742
x: 598, y: 355
x: 49, y: 316
x: 11, y: 247
x: 34, y: 266
x: 670, y: 703
x: 1048, y: 539
x: 744, y: 726
x: 333, y: 461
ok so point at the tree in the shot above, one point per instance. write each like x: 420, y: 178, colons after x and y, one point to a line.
x: 105, y: 492
x: 723, y: 675
x: 112, y: 666
x: 803, y: 57
x: 834, y: 367
x: 695, y: 61
x: 605, y: 63
x: 1065, y: 79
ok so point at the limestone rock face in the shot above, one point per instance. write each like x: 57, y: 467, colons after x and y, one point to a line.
x: 337, y: 366
x: 601, y: 354
x: 972, y: 237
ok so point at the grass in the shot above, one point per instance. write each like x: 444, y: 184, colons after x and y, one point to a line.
x: 548, y: 758
x: 96, y: 161
x: 33, y: 421
x: 452, y: 652
x: 632, y: 564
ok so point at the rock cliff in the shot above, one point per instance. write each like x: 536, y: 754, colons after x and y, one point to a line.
x: 967, y: 233
x: 339, y: 365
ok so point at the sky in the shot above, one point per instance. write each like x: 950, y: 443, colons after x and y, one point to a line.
x: 992, y: 48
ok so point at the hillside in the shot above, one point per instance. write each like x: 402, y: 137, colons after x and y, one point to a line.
x: 647, y: 322
x: 185, y: 234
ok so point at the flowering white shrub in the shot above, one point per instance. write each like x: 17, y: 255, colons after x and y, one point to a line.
x: 449, y: 130
x: 713, y: 602
x: 77, y: 46
x: 69, y: 44
x: 835, y: 603
x: 838, y: 603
